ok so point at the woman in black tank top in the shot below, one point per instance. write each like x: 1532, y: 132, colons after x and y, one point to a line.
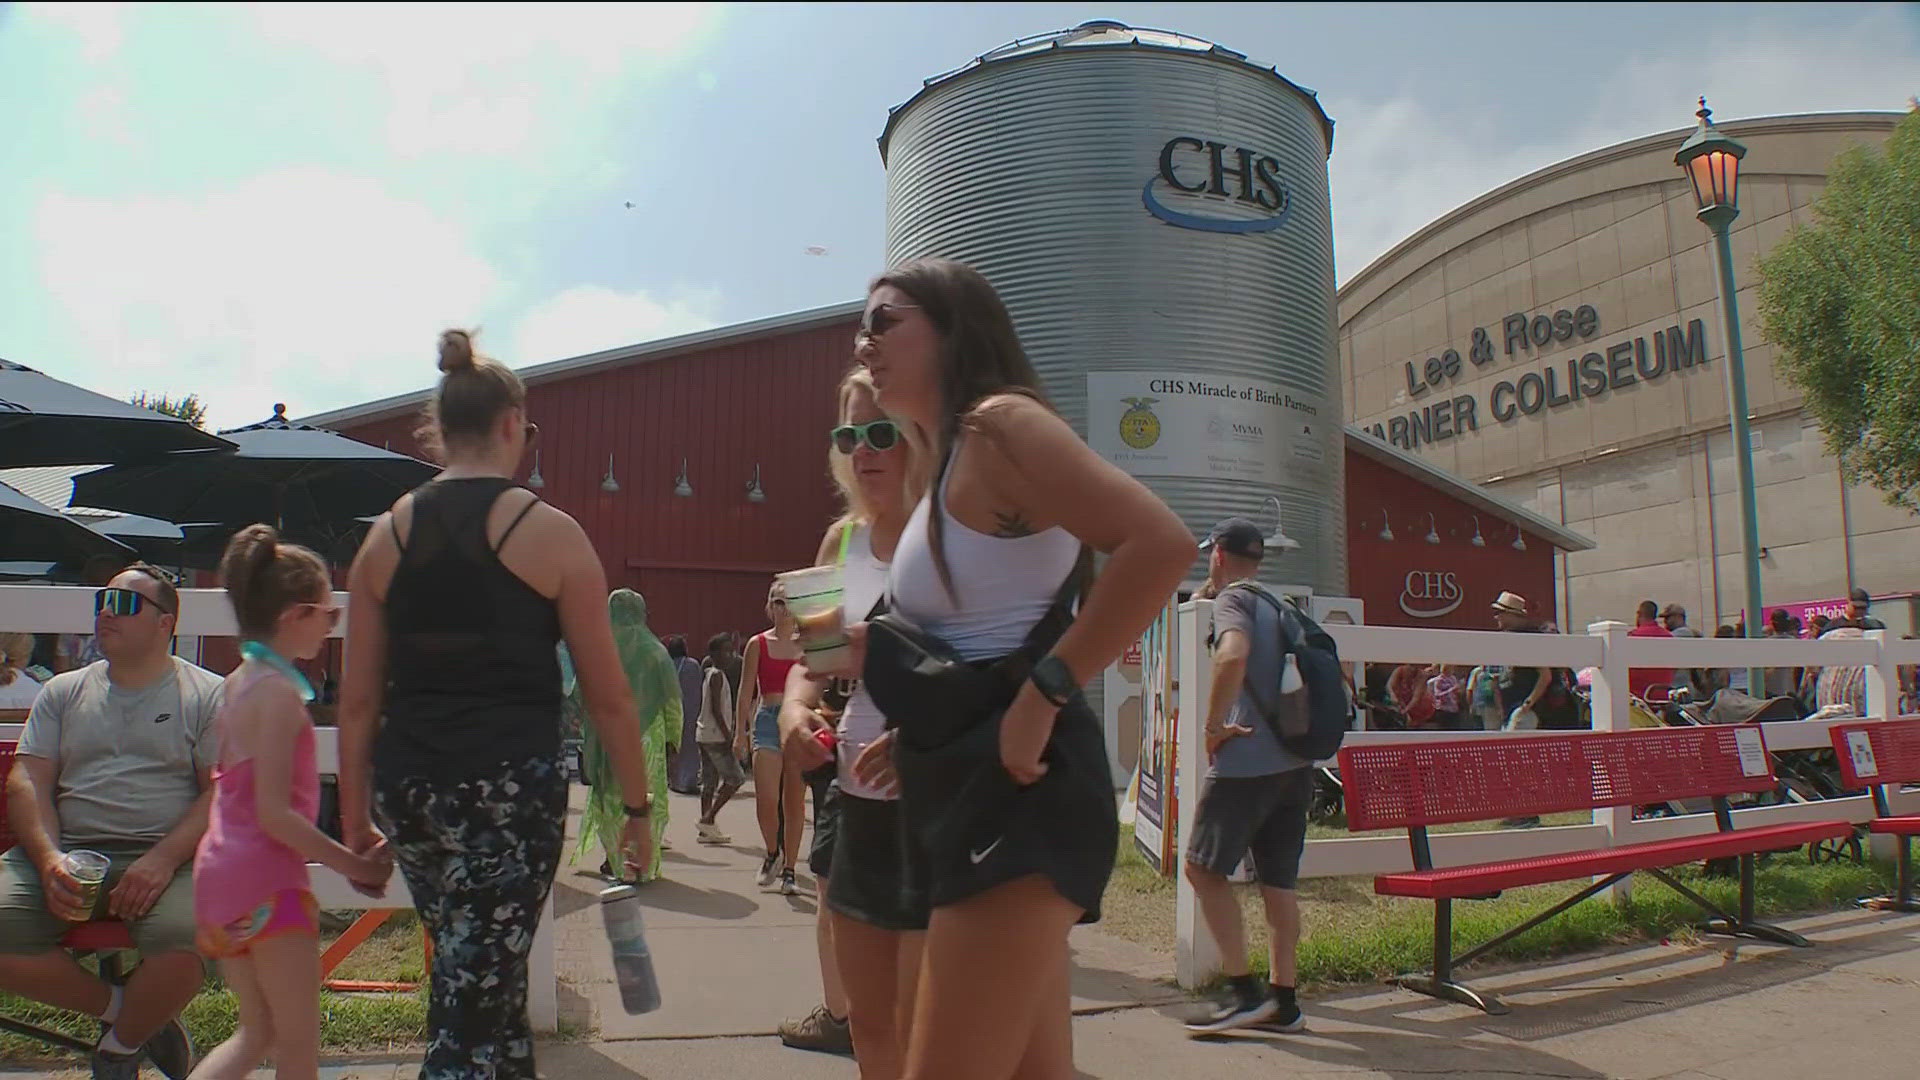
x: 1014, y: 819
x: 459, y: 596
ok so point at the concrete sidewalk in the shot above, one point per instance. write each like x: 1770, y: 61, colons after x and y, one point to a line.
x: 733, y: 961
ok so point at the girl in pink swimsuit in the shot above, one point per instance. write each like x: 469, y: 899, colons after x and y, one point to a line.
x: 250, y: 894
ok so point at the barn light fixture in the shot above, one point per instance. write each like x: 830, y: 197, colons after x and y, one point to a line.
x: 756, y: 493
x: 1279, y: 538
x: 1433, y: 529
x: 1519, y: 541
x: 1386, y: 525
x: 607, y: 483
x: 681, y: 486
x: 1478, y: 540
x: 534, y: 479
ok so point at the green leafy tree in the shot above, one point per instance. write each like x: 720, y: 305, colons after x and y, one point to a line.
x: 189, y: 408
x: 1840, y: 301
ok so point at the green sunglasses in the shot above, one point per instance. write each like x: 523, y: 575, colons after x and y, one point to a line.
x: 123, y: 602
x: 881, y: 435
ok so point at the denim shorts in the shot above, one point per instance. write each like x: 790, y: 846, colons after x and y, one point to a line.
x: 766, y: 728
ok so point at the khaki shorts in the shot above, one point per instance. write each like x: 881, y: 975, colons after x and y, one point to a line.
x: 27, y: 928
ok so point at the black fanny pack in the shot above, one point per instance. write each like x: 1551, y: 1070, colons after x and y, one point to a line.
x: 914, y: 676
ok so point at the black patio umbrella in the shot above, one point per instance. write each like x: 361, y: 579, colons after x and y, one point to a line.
x: 311, y: 482
x: 31, y: 531
x: 44, y: 421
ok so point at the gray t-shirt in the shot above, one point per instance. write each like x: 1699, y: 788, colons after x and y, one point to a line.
x: 1258, y: 754
x: 129, y: 760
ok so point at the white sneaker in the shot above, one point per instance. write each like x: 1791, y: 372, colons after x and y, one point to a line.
x: 768, y: 870
x: 711, y: 834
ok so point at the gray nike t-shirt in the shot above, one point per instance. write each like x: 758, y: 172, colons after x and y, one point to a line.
x: 129, y: 760
x: 1259, y: 754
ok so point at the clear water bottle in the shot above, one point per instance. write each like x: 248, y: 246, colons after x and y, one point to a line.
x: 632, y: 962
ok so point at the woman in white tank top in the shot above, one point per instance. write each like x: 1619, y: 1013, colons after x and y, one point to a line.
x: 1023, y: 850
x: 870, y: 943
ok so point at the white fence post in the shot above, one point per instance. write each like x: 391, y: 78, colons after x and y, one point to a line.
x: 1883, y: 679
x: 1612, y: 711
x: 1197, y: 955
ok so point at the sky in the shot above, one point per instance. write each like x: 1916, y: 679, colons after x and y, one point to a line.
x: 288, y: 203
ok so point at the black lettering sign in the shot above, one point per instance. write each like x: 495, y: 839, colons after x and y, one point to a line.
x: 1586, y: 320
x: 1515, y: 328
x: 1555, y: 398
x: 1531, y: 403
x: 1620, y: 365
x: 1688, y: 350
x: 1166, y: 163
x: 1659, y: 365
x: 1593, y: 374
x: 1503, y: 411
x: 1442, y: 420
x: 1463, y: 419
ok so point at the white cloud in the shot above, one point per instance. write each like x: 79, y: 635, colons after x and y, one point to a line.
x: 300, y: 286
x: 98, y: 26
x: 490, y: 79
x: 589, y: 318
x: 1399, y: 163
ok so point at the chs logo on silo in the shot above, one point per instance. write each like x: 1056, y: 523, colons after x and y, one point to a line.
x: 1204, y: 169
x: 1139, y: 427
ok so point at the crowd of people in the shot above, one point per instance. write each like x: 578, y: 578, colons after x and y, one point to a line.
x: 964, y: 819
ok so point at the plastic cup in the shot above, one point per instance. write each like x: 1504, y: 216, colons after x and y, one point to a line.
x: 89, y: 869
x: 813, y: 598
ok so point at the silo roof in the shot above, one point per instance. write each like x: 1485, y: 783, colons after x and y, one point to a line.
x: 1103, y: 34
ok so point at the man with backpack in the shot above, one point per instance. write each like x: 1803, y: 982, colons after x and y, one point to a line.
x: 1257, y: 791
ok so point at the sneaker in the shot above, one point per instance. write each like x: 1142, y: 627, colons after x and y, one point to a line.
x: 819, y: 1031
x: 710, y: 834
x: 766, y: 870
x: 1244, y: 1003
x: 788, y: 887
x: 114, y: 1066
x: 171, y: 1051
x: 1287, y: 1017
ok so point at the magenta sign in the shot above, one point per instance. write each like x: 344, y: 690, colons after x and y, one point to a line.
x: 1832, y: 609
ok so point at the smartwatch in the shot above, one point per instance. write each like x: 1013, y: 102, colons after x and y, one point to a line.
x: 1054, y: 680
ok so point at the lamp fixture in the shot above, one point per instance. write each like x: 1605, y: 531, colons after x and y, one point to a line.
x: 1433, y: 529
x: 1279, y: 538
x: 607, y: 483
x: 681, y: 486
x: 756, y: 493
x: 1478, y: 540
x: 1386, y: 525
x: 1519, y: 540
x: 534, y: 479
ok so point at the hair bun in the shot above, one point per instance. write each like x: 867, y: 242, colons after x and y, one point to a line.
x: 456, y: 351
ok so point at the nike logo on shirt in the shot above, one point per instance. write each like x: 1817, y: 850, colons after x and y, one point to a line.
x: 980, y: 856
x: 163, y: 718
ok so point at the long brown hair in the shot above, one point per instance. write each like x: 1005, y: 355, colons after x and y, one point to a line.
x: 264, y: 577
x: 980, y: 356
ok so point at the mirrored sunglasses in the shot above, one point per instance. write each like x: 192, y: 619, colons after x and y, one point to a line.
x: 124, y: 602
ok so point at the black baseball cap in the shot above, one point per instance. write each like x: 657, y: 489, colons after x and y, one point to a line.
x: 1237, y: 536
x: 1859, y: 596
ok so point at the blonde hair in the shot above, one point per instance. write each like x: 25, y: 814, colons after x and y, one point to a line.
x: 840, y: 466
x: 474, y: 390
x: 16, y: 651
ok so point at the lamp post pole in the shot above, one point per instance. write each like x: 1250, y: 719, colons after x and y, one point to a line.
x: 1712, y: 162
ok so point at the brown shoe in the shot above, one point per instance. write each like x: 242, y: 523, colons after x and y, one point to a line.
x: 818, y: 1030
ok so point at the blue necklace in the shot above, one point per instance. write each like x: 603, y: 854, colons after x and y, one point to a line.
x: 256, y: 650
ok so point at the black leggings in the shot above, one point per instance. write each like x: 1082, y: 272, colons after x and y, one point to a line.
x: 479, y: 856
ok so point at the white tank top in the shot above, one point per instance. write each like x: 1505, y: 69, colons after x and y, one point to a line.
x: 1005, y: 585
x: 864, y: 579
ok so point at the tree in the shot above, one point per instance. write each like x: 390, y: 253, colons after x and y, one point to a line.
x: 189, y: 408
x: 1840, y: 301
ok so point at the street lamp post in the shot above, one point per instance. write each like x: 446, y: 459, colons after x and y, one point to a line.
x: 1712, y: 162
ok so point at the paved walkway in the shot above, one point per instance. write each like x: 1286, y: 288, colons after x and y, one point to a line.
x: 733, y: 961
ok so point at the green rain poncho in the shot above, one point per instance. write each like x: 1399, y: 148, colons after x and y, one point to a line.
x: 656, y: 696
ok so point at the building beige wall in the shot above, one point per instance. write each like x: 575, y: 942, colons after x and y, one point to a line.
x: 1644, y: 469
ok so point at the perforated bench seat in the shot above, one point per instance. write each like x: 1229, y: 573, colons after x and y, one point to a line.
x: 1460, y: 882
x: 1897, y: 826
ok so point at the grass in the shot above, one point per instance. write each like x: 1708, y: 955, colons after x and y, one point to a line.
x: 1351, y: 935
x: 348, y: 1022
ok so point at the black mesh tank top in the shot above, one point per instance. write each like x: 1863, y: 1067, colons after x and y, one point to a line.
x: 473, y: 680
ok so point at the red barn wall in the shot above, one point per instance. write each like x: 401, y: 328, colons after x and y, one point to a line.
x: 1393, y: 576
x: 703, y: 563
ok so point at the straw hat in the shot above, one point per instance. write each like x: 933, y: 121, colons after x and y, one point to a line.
x: 1511, y: 603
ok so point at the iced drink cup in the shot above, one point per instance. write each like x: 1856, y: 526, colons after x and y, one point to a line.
x: 89, y: 870
x: 813, y: 598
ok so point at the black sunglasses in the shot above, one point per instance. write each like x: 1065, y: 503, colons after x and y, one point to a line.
x: 124, y: 602
x: 881, y: 318
x: 881, y: 435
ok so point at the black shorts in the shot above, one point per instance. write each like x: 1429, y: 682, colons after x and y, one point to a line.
x: 1262, y: 816
x: 871, y: 880
x: 974, y: 828
x: 826, y: 823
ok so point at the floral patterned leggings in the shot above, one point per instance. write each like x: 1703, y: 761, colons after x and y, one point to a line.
x: 479, y: 856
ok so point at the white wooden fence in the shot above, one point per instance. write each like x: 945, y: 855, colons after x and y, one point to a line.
x: 1606, y: 648
x: 205, y: 613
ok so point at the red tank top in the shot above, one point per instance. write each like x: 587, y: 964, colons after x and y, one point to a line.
x: 772, y: 672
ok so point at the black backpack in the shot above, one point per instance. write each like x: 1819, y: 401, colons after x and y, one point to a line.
x: 1312, y: 722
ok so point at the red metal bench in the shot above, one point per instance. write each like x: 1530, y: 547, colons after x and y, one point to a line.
x: 1413, y: 785
x: 1880, y: 757
x: 105, y: 937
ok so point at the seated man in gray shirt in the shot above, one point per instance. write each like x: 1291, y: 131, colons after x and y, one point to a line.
x: 116, y: 758
x: 1256, y: 796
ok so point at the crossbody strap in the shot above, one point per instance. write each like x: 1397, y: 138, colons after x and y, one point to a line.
x: 1261, y: 702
